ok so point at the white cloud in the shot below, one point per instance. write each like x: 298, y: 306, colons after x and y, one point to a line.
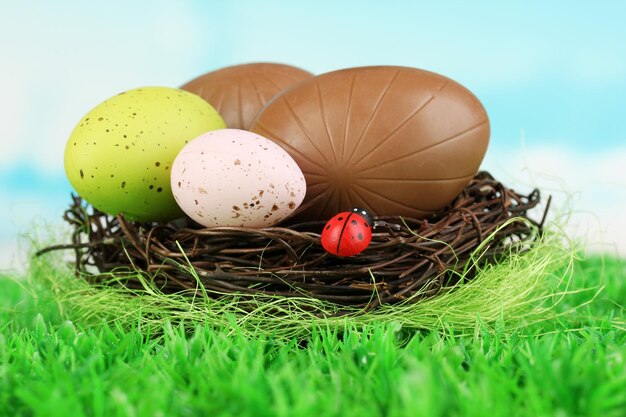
x: 590, y: 186
x: 64, y: 59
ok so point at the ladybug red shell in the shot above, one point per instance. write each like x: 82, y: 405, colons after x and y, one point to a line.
x: 348, y: 233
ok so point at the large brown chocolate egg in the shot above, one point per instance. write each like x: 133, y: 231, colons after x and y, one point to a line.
x: 240, y: 91
x: 392, y: 140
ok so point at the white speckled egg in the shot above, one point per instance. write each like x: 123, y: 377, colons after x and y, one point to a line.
x: 232, y: 177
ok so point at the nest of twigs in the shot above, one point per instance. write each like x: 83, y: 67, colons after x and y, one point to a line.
x: 408, y: 259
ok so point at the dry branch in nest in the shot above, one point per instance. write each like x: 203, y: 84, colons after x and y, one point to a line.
x: 408, y: 259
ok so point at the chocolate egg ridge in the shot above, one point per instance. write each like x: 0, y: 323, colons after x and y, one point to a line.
x: 312, y: 139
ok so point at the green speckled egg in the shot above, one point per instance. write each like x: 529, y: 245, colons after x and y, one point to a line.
x: 119, y: 156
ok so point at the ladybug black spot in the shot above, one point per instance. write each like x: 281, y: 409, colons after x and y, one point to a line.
x: 354, y: 222
x: 366, y: 225
x: 340, y: 218
x: 360, y: 236
x: 327, y: 227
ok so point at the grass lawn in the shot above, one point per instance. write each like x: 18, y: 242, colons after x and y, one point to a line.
x: 573, y: 365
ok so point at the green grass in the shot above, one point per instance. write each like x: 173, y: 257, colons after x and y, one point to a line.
x: 570, y: 364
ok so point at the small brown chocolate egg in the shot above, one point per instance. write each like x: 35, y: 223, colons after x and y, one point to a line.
x: 393, y: 140
x: 240, y: 91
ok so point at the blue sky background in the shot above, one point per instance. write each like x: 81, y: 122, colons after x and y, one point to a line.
x: 552, y: 76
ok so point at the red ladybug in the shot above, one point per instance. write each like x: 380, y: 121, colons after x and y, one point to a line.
x: 348, y: 233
